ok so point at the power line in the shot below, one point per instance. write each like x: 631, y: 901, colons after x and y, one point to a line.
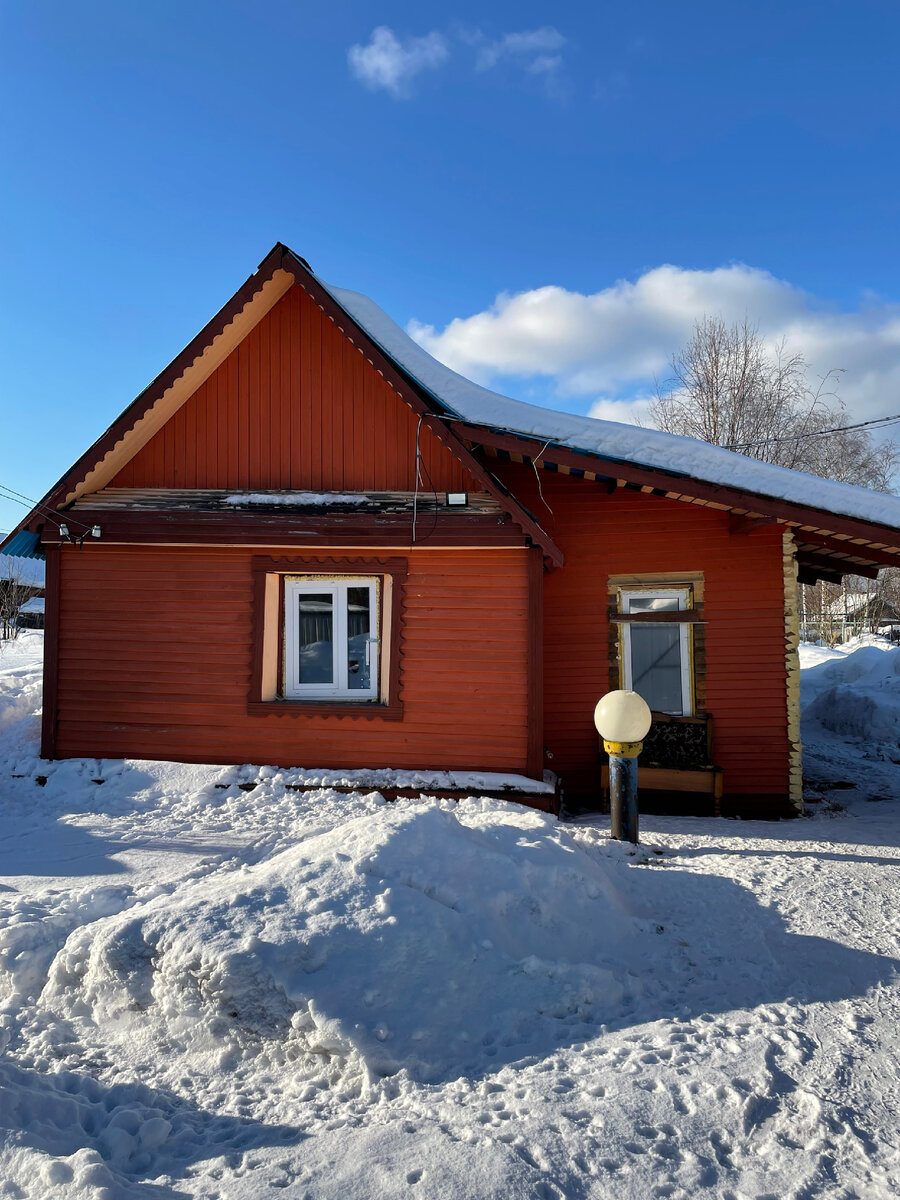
x: 880, y: 422
x: 56, y: 518
x: 7, y: 494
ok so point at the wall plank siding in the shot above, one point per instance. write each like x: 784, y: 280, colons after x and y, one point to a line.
x: 632, y: 533
x: 295, y: 405
x: 155, y: 661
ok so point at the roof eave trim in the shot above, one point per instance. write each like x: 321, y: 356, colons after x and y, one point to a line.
x: 74, y: 481
x: 410, y: 391
x: 802, y: 514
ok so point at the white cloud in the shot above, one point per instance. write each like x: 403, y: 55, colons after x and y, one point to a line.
x: 617, y: 341
x: 545, y: 63
x: 389, y: 63
x: 537, y: 45
x: 628, y: 412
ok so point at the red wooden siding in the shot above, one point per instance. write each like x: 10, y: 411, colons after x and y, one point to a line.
x: 155, y: 659
x: 632, y: 533
x: 296, y: 405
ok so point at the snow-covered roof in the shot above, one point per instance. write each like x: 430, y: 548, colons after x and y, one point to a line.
x: 27, y: 571
x: 610, y: 439
x: 34, y: 605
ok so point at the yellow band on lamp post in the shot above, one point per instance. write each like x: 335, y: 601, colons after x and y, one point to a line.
x: 623, y: 749
x: 623, y: 720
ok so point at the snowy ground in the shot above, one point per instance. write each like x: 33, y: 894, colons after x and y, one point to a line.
x: 210, y: 988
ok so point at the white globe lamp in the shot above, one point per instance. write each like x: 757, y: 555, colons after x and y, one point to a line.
x: 624, y: 719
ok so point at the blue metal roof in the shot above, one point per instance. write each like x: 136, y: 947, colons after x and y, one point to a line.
x: 24, y: 545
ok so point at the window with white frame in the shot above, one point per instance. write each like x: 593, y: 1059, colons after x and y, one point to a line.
x: 331, y: 637
x: 657, y: 653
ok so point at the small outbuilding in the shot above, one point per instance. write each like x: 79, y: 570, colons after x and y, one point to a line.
x: 309, y: 543
x: 30, y: 614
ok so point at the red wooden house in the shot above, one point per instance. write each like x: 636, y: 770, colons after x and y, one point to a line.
x: 308, y: 543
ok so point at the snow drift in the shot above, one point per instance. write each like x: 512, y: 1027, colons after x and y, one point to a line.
x: 200, y: 984
x: 418, y: 937
x: 856, y: 692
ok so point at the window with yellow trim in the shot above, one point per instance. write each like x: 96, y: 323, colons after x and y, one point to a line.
x: 657, y: 651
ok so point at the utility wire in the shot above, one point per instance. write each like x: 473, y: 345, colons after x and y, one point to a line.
x: 4, y: 495
x: 57, y: 518
x: 880, y: 422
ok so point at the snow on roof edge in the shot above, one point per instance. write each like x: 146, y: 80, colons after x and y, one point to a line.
x: 611, y: 440
x: 27, y: 571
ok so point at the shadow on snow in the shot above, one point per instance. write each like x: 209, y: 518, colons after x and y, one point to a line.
x: 138, y: 1132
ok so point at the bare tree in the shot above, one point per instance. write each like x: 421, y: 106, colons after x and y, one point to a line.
x: 14, y: 591
x: 730, y: 389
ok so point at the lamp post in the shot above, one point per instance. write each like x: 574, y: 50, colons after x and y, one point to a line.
x: 622, y: 720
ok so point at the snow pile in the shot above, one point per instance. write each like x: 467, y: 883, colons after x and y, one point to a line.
x: 610, y: 439
x: 417, y: 937
x: 296, y: 499
x: 212, y: 984
x: 854, y: 690
x: 20, y: 698
x: 472, y: 782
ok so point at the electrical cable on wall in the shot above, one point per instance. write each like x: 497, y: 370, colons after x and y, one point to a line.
x: 537, y: 476
x: 434, y: 520
x: 421, y: 466
x: 416, y: 492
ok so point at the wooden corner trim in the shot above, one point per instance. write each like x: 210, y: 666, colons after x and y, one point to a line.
x: 792, y: 672
x: 534, y: 767
x: 49, y: 717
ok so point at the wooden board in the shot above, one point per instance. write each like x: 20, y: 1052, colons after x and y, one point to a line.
x: 295, y: 405
x: 709, y: 781
x: 156, y: 650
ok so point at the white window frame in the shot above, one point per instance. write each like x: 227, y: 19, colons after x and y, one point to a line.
x: 337, y: 588
x: 683, y: 596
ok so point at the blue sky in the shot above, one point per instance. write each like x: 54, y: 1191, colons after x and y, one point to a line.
x: 609, y: 172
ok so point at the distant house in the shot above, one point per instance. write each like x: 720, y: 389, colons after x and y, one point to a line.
x: 25, y: 572
x: 309, y: 543
x: 30, y: 614
x: 21, y: 581
x: 858, y: 612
